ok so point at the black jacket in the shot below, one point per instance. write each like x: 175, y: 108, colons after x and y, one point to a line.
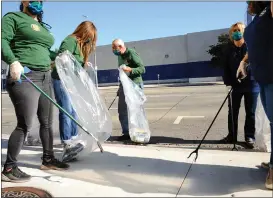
x: 233, y: 55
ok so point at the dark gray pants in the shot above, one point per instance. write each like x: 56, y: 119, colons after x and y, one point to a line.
x: 123, y: 111
x: 28, y: 102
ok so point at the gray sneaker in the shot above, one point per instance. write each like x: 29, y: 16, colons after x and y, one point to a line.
x: 71, y: 152
x: 14, y: 175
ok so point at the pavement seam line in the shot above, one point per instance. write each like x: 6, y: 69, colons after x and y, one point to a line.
x: 169, y: 110
x: 184, y: 179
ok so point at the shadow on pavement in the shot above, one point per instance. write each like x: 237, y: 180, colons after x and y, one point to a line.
x: 150, y: 175
x: 178, y: 141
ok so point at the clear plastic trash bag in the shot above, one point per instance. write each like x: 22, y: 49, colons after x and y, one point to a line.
x: 262, y: 128
x: 91, y: 111
x: 135, y: 98
x: 92, y: 73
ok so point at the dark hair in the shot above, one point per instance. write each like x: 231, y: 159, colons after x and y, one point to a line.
x: 39, y: 17
x: 256, y: 7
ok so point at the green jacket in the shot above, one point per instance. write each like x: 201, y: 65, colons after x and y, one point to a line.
x: 131, y: 59
x: 27, y: 41
x: 69, y: 43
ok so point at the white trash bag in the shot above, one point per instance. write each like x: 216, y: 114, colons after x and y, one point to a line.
x: 263, y: 136
x: 91, y: 111
x: 135, y: 98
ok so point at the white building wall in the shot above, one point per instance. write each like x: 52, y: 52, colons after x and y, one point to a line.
x: 179, y: 49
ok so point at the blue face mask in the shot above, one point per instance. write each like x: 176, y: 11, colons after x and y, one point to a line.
x: 35, y: 7
x: 116, y: 52
x: 237, y: 36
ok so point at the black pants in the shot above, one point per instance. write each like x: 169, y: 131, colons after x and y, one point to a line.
x: 28, y: 102
x: 250, y: 99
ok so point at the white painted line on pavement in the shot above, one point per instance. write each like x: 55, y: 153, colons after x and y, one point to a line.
x: 166, y: 95
x: 155, y: 108
x: 179, y: 118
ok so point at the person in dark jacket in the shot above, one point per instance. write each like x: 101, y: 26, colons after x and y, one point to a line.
x: 248, y: 88
x: 259, y: 40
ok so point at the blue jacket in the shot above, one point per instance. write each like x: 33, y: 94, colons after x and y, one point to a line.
x: 259, y: 39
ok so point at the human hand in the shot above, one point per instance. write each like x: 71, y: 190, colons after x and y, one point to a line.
x: 241, y: 72
x: 16, y: 69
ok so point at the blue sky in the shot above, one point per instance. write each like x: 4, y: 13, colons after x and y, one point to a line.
x: 133, y: 21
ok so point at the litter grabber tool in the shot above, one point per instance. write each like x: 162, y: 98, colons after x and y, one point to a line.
x: 197, y: 149
x: 112, y: 102
x: 232, y: 120
x: 27, y: 70
x: 114, y: 98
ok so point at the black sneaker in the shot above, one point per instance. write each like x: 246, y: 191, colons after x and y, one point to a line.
x: 124, y: 137
x: 228, y: 140
x: 14, y: 175
x: 250, y: 143
x: 51, y: 163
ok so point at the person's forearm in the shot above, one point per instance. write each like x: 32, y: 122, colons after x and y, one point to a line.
x: 245, y: 59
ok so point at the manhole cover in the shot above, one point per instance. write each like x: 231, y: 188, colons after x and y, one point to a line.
x: 24, y: 192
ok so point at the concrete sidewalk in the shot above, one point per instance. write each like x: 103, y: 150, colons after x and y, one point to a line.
x: 149, y: 172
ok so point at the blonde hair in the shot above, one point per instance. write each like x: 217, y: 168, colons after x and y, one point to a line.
x: 241, y: 27
x: 86, y: 31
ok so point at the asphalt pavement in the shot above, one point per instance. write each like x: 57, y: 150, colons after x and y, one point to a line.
x: 178, y: 115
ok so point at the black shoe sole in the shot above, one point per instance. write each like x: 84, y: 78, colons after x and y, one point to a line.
x: 250, y: 145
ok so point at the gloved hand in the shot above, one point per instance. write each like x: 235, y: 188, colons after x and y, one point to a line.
x: 126, y: 69
x: 228, y: 88
x: 241, y: 72
x: 16, y: 69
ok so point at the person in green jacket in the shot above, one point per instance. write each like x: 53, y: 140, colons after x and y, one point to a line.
x: 81, y: 43
x: 134, y: 68
x: 27, y: 42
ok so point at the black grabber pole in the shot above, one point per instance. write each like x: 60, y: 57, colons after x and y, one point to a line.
x: 196, y: 150
x: 232, y: 120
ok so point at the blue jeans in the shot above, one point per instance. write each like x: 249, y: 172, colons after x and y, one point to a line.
x: 267, y: 101
x: 68, y: 128
x: 123, y: 111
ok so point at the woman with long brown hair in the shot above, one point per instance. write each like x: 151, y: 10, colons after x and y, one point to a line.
x: 81, y: 43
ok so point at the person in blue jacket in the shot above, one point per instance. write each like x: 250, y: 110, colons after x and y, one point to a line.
x: 259, y: 40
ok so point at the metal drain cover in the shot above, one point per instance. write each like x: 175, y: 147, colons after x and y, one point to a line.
x: 21, y: 191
